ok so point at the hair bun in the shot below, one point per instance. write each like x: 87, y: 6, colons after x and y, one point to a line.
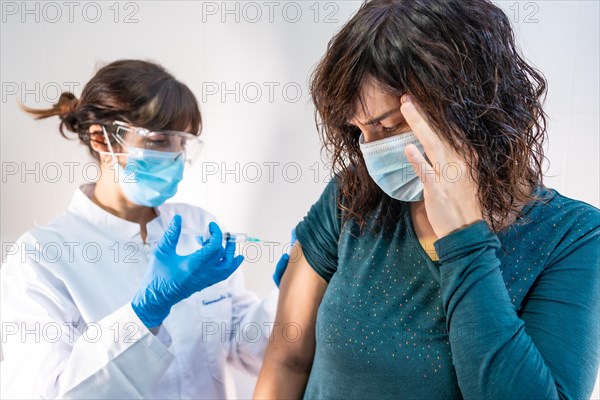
x: 66, y: 109
x: 66, y: 106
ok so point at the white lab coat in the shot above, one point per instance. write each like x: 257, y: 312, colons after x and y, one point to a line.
x: 69, y: 331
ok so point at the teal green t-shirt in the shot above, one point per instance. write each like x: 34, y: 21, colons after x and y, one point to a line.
x: 513, y: 315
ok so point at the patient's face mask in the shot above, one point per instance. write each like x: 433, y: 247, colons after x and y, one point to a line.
x: 389, y: 167
x: 152, y: 171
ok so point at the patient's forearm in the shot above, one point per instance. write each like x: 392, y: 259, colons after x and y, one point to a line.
x: 281, y: 380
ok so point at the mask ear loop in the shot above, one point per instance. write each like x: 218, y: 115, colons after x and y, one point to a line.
x: 110, y: 149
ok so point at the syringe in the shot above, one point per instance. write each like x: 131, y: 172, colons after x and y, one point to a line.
x: 239, y: 237
x: 227, y: 236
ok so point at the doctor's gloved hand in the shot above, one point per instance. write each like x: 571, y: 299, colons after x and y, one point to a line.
x: 283, y: 261
x: 172, y: 277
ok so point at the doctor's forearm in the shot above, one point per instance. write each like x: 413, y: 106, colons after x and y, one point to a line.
x: 87, y: 370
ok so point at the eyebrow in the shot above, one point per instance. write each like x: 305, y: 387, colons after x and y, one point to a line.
x: 382, y: 116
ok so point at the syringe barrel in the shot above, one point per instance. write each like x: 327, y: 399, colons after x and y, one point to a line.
x: 235, y: 237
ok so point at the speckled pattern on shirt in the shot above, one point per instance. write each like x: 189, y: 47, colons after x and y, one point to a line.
x: 381, y: 326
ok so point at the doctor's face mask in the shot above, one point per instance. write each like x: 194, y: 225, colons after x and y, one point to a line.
x: 155, y: 163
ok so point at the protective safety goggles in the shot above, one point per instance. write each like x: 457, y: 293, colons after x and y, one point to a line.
x: 172, y: 144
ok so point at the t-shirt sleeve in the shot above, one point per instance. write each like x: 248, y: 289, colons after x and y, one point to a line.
x: 319, y: 232
x: 550, y: 351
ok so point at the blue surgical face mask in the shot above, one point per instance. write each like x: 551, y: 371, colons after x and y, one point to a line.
x: 389, y: 167
x: 151, y: 177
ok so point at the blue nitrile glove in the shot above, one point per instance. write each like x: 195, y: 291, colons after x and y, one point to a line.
x: 172, y: 278
x: 283, y: 261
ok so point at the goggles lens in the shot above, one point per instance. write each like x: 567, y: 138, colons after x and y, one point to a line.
x: 131, y: 138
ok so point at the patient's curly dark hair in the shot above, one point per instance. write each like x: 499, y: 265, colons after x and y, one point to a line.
x: 459, y: 59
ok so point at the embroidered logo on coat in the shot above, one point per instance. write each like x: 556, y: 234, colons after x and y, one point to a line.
x: 222, y: 297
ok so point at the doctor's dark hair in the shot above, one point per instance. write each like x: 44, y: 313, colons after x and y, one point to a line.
x: 459, y: 59
x: 138, y: 92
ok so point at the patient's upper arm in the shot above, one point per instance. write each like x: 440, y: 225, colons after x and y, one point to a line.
x: 300, y: 295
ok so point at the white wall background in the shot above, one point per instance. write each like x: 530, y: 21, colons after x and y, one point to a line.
x: 49, y: 46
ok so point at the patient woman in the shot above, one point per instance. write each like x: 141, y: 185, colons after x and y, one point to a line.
x: 436, y: 264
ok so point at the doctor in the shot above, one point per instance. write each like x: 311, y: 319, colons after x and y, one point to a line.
x: 112, y: 299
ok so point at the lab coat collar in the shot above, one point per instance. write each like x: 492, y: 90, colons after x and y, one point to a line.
x: 118, y: 228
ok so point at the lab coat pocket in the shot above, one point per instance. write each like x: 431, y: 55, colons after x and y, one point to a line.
x: 216, y: 313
